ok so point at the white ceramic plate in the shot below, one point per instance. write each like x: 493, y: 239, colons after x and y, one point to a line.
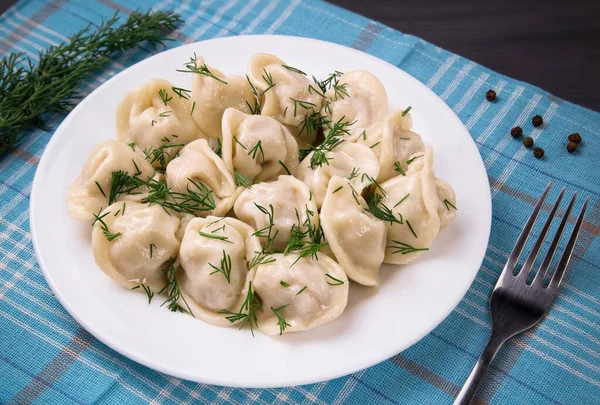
x: 377, y: 323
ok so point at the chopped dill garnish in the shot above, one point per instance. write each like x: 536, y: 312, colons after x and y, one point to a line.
x: 375, y: 144
x: 337, y: 189
x: 307, y: 105
x: 239, y: 143
x: 283, y: 283
x: 182, y: 93
x: 406, y: 111
x: 173, y: 291
x: 381, y: 211
x: 110, y: 236
x: 404, y: 248
x: 258, y: 147
x: 448, y: 203
x: 211, y: 236
x: 268, y: 78
x: 354, y: 173
x: 146, y: 289
x: 400, y: 202
x: 152, y: 247
x: 241, y: 180
x: 280, y: 319
x: 247, y: 312
x: 409, y: 161
x: 398, y: 168
x: 192, y: 67
x: 285, y: 167
x: 100, y: 188
x: 165, y: 114
x: 256, y: 109
x: 335, y: 280
x: 332, y: 139
x: 293, y: 69
x: 224, y: 267
x: 302, y: 290
x: 164, y: 96
x: 411, y: 229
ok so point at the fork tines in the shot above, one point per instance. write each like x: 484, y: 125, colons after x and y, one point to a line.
x: 523, y: 274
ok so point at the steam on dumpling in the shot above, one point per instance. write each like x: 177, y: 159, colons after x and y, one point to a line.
x: 213, y: 92
x: 355, y: 236
x: 285, y: 95
x: 394, y: 144
x: 157, y: 119
x: 350, y: 160
x: 273, y: 208
x: 215, y: 254
x: 90, y: 191
x: 198, y: 169
x: 299, y: 293
x: 135, y: 243
x: 257, y: 146
x: 363, y: 102
x: 417, y: 197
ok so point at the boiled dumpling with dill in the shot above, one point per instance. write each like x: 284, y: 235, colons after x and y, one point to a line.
x: 156, y: 118
x: 286, y: 94
x: 91, y: 190
x: 199, y: 176
x: 134, y: 243
x: 215, y: 276
x: 213, y: 92
x: 257, y: 147
x: 274, y: 208
x: 356, y: 237
x: 394, y: 144
x: 357, y: 97
x: 299, y: 293
x: 416, y: 202
x: 351, y: 160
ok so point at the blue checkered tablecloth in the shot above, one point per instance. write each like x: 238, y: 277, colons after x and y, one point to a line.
x: 47, y: 358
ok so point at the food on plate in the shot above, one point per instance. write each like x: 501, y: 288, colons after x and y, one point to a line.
x: 251, y: 201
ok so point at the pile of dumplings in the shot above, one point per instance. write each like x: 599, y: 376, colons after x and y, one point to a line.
x: 205, y: 192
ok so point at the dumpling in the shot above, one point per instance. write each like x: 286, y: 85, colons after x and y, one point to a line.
x: 257, y: 146
x: 90, y: 191
x: 349, y: 160
x: 213, y: 93
x: 282, y: 203
x: 157, y: 118
x: 356, y: 237
x: 286, y: 95
x: 298, y: 294
x: 363, y: 103
x: 394, y: 144
x: 199, y: 169
x: 417, y: 197
x: 135, y: 243
x: 214, y: 257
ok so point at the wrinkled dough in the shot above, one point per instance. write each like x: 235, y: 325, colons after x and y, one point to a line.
x: 278, y: 101
x: 212, y: 98
x: 200, y: 164
x: 145, y: 119
x: 145, y: 248
x: 258, y: 146
x: 89, y: 192
x: 319, y: 303
x: 205, y: 291
x: 356, y: 237
x: 365, y: 105
x: 290, y: 199
x: 343, y: 160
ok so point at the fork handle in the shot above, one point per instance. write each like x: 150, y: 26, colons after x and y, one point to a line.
x: 467, y: 393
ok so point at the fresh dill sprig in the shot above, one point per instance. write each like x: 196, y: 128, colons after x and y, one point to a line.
x: 224, y: 267
x: 335, y: 280
x: 280, y: 319
x: 164, y: 96
x: 100, y: 188
x: 402, y: 200
x: 173, y: 291
x: 381, y: 211
x: 354, y: 173
x: 268, y: 78
x: 162, y: 155
x: 285, y: 167
x: 305, y: 238
x: 328, y: 82
x: 337, y: 189
x: 293, y: 69
x: 267, y: 232
x: 256, y: 109
x: 307, y: 105
x: 448, y: 203
x: 219, y: 149
x: 247, y: 312
x: 411, y: 229
x: 332, y: 139
x: 404, y: 248
x: 406, y: 111
x: 409, y: 161
x: 313, y: 122
x: 241, y: 180
x: 260, y: 258
x: 302, y: 290
x: 239, y: 143
x: 192, y: 67
x: 258, y: 147
x: 212, y: 236
x: 110, y: 236
x: 375, y: 144
x: 398, y: 168
x: 182, y: 93
x: 146, y: 289
x: 29, y: 91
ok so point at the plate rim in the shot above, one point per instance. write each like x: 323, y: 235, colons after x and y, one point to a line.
x: 45, y: 159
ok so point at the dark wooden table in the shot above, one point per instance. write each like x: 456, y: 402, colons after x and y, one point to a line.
x: 549, y: 43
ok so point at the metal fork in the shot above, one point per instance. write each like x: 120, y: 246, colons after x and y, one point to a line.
x: 516, y: 305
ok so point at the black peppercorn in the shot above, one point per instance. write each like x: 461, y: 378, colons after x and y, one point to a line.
x: 537, y: 121
x: 575, y: 138
x: 516, y: 132
x: 528, y: 142
x: 490, y: 95
x: 571, y: 147
x: 538, y: 153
